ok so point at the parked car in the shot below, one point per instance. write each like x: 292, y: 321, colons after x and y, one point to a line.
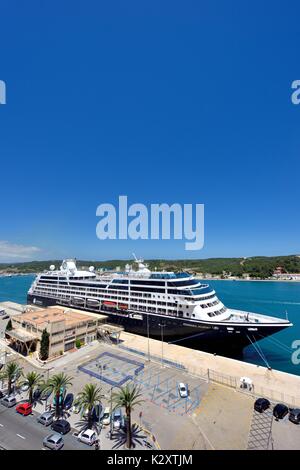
x: 9, y: 402
x: 76, y: 408
x: 88, y: 437
x: 61, y: 426
x: 45, y: 418
x: 45, y: 395
x: 24, y: 387
x: 294, y: 416
x: 117, y: 418
x: 261, y: 405
x: 61, y: 396
x: 97, y: 412
x: 24, y: 409
x: 280, y: 411
x: 106, y: 416
x: 37, y: 394
x: 1, y: 394
x: 68, y: 402
x: 183, y: 390
x: 53, y: 441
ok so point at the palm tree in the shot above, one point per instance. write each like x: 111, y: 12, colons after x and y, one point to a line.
x: 87, y: 399
x: 128, y: 396
x: 33, y: 380
x: 58, y: 384
x: 11, y: 372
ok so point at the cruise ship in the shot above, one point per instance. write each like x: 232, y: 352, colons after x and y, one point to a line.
x: 172, y: 306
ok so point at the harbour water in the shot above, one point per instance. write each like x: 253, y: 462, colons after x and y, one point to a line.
x: 270, y: 298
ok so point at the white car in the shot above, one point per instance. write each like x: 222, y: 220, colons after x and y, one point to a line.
x: 106, y: 416
x: 88, y: 437
x: 183, y: 390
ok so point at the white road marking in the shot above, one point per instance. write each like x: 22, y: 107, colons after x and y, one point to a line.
x: 1, y: 425
x: 22, y: 437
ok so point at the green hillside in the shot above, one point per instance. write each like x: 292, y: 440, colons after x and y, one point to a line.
x: 256, y: 266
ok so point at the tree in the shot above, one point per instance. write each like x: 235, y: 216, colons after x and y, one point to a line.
x: 33, y: 380
x: 11, y: 373
x: 58, y: 384
x: 128, y: 396
x: 9, y: 325
x: 87, y: 400
x: 44, y: 349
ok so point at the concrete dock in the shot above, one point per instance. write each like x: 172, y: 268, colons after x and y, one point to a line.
x: 274, y: 384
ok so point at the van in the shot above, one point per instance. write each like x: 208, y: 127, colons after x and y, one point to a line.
x: 9, y: 402
x: 45, y: 418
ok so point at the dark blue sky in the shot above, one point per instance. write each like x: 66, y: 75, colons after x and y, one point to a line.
x: 163, y: 101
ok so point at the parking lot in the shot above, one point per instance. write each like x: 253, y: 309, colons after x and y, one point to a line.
x: 211, y: 417
x: 159, y: 385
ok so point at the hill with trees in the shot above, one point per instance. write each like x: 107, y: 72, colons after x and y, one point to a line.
x: 256, y: 266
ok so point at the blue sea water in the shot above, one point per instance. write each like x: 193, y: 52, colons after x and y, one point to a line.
x: 270, y: 298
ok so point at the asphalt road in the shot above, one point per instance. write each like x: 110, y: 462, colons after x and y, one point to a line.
x: 19, y: 432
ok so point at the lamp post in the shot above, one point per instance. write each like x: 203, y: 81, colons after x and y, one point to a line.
x: 111, y: 422
x: 162, y: 325
x: 148, y: 335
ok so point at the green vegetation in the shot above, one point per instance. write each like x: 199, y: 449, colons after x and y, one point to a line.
x: 128, y: 397
x: 78, y: 343
x: 11, y: 374
x: 57, y: 384
x: 44, y: 348
x: 33, y: 380
x: 256, y: 266
x: 87, y: 400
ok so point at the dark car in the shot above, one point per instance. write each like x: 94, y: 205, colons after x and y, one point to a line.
x: 1, y: 394
x: 45, y: 395
x: 294, y: 416
x: 61, y: 426
x: 97, y: 412
x: 280, y: 411
x: 37, y: 394
x: 68, y: 402
x: 261, y: 405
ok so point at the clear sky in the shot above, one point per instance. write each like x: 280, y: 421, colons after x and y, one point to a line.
x: 162, y: 101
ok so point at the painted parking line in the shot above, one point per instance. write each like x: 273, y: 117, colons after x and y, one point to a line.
x: 22, y: 437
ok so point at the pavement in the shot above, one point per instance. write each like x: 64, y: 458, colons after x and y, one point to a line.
x: 225, y: 418
x: 274, y: 384
x: 213, y: 417
x: 19, y: 432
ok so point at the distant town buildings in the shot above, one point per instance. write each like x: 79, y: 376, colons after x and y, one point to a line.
x: 280, y: 273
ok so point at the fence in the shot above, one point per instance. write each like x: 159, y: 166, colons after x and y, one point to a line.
x: 224, y: 379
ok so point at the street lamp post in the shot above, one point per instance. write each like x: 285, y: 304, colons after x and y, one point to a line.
x: 148, y: 334
x: 162, y: 325
x: 111, y: 421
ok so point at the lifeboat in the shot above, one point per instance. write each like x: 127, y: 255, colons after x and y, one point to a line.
x: 109, y: 304
x: 123, y: 306
x: 78, y: 300
x: 93, y: 302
